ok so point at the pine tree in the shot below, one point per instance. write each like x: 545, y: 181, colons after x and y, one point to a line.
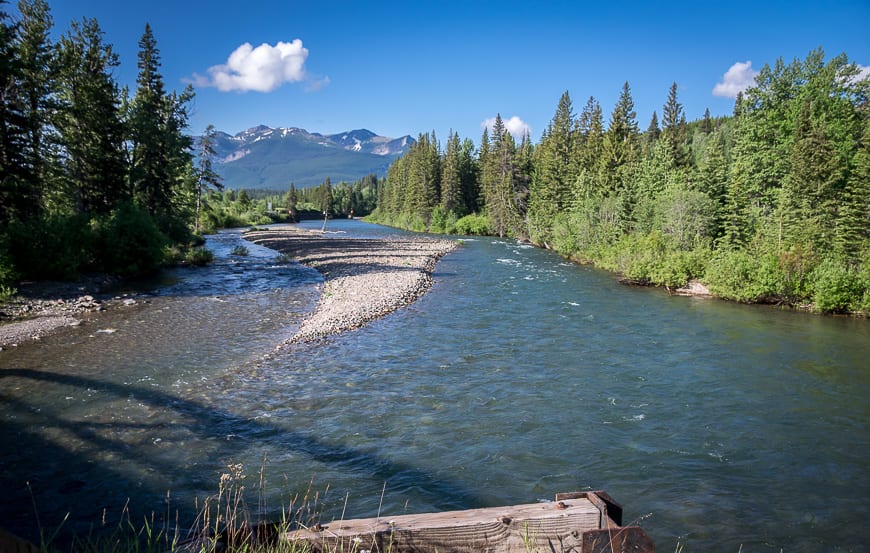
x: 206, y: 175
x: 16, y: 178
x: 674, y: 128
x: 713, y: 177
x: 37, y: 85
x: 451, y: 177
x: 500, y: 183
x: 89, y: 121
x: 556, y: 167
x: 852, y: 229
x: 160, y: 150
x: 707, y: 122
x: 291, y: 202
x: 620, y: 142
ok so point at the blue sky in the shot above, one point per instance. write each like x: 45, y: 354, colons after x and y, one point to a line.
x: 414, y: 66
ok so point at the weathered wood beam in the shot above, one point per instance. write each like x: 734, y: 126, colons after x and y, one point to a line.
x: 582, y: 522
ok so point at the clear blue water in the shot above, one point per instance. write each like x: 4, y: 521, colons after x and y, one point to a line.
x: 518, y: 376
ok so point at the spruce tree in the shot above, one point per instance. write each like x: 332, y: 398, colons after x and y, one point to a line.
x: 556, y: 164
x: 206, y: 175
x: 89, y: 121
x: 37, y: 86
x: 16, y: 178
x: 451, y: 177
x: 674, y: 127
x: 161, y: 160
x: 620, y: 141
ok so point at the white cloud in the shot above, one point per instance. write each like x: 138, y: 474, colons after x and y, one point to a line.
x: 864, y: 72
x: 738, y: 78
x: 262, y: 69
x: 516, y: 126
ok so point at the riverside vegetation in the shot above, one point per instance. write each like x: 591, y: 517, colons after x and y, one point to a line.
x: 93, y: 179
x: 771, y: 204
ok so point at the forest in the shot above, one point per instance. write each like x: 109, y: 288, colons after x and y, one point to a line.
x: 93, y: 177
x: 770, y: 204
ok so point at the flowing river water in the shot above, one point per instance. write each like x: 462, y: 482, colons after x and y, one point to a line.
x: 519, y: 375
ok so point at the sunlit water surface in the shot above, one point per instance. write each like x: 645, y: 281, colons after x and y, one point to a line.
x: 518, y: 376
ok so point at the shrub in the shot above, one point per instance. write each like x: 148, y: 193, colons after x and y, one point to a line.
x: 836, y: 288
x: 8, y: 274
x: 473, y: 224
x: 240, y: 251
x: 198, y: 257
x: 51, y: 247
x: 739, y: 275
x: 130, y: 242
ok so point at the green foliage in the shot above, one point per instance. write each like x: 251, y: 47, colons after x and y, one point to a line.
x: 52, y: 246
x: 473, y: 224
x: 750, y: 203
x: 130, y: 243
x: 8, y: 274
x: 198, y: 257
x: 837, y: 288
x: 654, y: 259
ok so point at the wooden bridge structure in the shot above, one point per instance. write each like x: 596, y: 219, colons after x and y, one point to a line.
x: 578, y: 522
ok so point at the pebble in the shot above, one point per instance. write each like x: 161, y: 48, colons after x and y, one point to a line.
x: 364, y: 279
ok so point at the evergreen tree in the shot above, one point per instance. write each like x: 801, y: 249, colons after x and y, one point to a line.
x: 37, y: 85
x: 291, y: 202
x: 713, y: 177
x: 555, y: 169
x: 206, y: 175
x: 590, y: 129
x: 500, y: 183
x: 707, y: 122
x: 652, y: 131
x: 16, y: 178
x: 674, y: 127
x: 620, y: 142
x: 161, y: 167
x: 469, y: 176
x: 89, y: 121
x: 451, y: 177
x: 852, y: 231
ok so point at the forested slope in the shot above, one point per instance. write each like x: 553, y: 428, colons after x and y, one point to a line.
x: 771, y: 204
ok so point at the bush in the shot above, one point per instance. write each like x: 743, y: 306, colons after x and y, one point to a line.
x: 51, y: 247
x: 8, y: 274
x: 130, y: 244
x: 198, y: 257
x: 836, y: 288
x: 473, y: 224
x: 739, y: 275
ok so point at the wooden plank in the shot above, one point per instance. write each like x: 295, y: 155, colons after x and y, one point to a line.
x: 10, y: 543
x: 555, y: 526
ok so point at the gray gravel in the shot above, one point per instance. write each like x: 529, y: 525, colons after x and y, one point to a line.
x: 364, y: 279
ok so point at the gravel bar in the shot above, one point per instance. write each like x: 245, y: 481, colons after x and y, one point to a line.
x: 364, y: 278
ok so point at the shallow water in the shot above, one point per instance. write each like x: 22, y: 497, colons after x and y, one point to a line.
x: 518, y: 376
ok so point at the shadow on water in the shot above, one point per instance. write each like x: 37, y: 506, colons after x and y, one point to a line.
x: 69, y: 485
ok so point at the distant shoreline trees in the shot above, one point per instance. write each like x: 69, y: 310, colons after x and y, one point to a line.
x: 771, y: 204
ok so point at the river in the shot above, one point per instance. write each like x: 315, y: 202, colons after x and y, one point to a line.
x: 519, y: 375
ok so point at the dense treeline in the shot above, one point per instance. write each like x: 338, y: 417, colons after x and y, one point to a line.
x: 92, y: 177
x: 230, y: 208
x: 771, y: 204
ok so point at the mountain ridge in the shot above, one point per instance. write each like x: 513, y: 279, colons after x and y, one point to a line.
x: 272, y: 158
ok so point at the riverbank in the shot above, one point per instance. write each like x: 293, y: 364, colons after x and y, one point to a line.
x: 40, y: 308
x: 364, y: 279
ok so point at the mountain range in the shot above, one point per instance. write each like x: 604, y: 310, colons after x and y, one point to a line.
x: 263, y: 157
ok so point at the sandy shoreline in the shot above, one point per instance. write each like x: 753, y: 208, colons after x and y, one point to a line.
x: 364, y: 279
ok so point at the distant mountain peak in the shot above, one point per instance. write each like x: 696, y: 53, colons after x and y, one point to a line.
x: 266, y: 157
